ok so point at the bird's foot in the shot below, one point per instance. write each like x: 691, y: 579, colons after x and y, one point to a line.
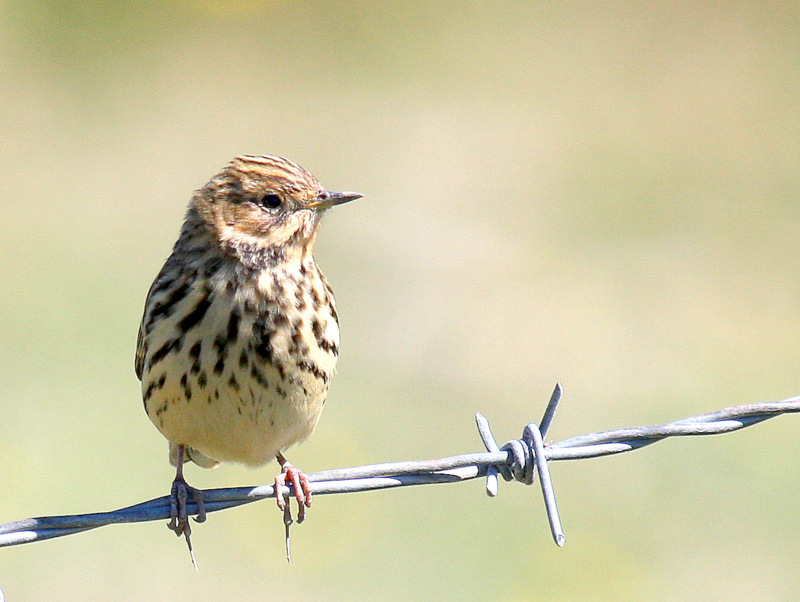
x: 179, y: 516
x: 300, y: 485
x: 302, y: 493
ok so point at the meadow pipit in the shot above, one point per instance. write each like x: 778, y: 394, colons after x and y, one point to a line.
x: 240, y: 335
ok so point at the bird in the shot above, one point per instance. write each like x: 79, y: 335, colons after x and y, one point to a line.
x: 239, y: 337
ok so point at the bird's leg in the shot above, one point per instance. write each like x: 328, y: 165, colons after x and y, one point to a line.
x: 300, y: 484
x: 179, y: 518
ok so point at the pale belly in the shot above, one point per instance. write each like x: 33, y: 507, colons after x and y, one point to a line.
x: 246, y: 426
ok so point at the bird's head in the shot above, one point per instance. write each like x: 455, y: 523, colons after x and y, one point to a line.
x: 264, y: 204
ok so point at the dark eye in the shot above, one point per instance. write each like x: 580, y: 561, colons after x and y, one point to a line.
x: 270, y: 201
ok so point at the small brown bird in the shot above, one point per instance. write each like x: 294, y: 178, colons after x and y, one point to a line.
x: 240, y: 335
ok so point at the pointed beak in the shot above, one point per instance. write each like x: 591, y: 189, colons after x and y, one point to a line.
x: 327, y: 199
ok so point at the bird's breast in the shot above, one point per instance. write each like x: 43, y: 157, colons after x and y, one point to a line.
x: 252, y: 367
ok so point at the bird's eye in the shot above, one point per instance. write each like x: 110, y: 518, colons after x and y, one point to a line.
x: 270, y: 201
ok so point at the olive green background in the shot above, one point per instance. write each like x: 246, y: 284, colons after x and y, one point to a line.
x: 605, y: 195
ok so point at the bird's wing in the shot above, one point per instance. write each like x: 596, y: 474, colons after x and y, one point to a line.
x: 140, y: 352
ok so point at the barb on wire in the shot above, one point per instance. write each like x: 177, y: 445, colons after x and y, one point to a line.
x: 519, y: 459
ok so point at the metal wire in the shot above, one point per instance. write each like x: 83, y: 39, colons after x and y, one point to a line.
x: 518, y: 459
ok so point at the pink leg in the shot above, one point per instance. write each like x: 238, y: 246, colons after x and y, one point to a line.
x: 300, y: 484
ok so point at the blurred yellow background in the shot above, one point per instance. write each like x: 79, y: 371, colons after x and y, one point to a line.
x: 607, y: 195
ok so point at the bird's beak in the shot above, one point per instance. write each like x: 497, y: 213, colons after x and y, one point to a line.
x: 327, y: 199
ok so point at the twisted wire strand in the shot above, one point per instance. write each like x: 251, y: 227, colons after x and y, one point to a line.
x: 519, y: 459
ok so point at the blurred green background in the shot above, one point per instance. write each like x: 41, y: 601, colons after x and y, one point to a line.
x: 607, y: 195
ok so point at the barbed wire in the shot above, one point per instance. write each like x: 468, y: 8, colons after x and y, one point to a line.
x: 519, y: 459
